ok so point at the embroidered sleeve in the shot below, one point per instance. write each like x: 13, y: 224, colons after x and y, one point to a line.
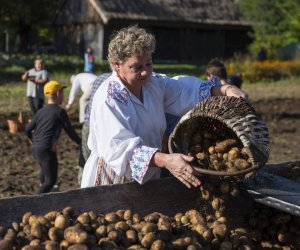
x: 116, y: 92
x: 205, y: 87
x: 140, y: 162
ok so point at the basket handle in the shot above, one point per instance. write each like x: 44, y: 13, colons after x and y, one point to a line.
x: 198, y: 171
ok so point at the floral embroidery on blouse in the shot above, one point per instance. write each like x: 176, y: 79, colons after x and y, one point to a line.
x: 140, y: 162
x: 116, y: 92
x: 205, y: 87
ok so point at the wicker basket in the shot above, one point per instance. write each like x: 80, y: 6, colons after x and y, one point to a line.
x: 234, y: 115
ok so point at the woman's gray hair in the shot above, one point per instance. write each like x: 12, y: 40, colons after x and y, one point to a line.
x: 129, y: 42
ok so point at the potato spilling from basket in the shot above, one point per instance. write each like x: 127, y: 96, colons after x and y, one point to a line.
x: 225, y: 135
x: 219, y: 150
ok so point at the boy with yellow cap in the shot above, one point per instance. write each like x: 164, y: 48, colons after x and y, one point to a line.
x: 44, y: 131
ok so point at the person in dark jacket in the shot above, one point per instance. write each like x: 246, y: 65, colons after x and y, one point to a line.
x: 44, y: 131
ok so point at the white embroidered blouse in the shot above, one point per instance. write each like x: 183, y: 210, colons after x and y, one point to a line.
x: 125, y: 132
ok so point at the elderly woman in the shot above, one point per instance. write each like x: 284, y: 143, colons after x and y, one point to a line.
x: 127, y: 120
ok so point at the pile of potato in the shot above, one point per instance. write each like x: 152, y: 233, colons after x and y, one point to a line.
x: 210, y: 228
x: 219, y: 150
x: 264, y: 227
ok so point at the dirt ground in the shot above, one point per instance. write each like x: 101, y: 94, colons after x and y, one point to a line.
x: 20, y: 172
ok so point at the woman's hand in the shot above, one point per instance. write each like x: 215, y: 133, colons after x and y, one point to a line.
x: 178, y: 166
x: 231, y: 90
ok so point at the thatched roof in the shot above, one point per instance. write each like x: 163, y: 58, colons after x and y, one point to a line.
x: 195, y: 11
x: 218, y: 12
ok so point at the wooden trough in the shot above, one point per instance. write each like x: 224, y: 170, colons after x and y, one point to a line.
x: 166, y: 195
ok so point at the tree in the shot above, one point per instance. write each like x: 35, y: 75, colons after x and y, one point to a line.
x: 30, y: 20
x: 276, y: 23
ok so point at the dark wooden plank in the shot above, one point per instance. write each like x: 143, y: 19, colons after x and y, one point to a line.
x: 165, y: 195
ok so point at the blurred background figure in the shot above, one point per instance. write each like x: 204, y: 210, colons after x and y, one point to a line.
x: 36, y: 78
x: 216, y: 68
x: 262, y: 55
x: 89, y: 61
x: 83, y: 82
x: 236, y: 80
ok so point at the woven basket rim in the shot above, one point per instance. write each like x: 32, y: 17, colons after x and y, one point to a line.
x: 198, y: 113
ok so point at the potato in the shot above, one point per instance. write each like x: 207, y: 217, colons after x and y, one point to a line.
x: 233, y: 154
x: 149, y: 228
x: 283, y: 237
x: 234, y: 239
x: 51, y: 245
x: 32, y: 219
x: 106, y: 243
x: 180, y: 243
x: 234, y: 192
x: 148, y: 240
x: 207, y: 236
x: 15, y: 226
x: 199, y: 229
x: 6, y: 245
x: 121, y: 225
x: 75, y: 235
x: 84, y: 218
x: 38, y: 231
x: 224, y: 146
x: 62, y: 222
x: 184, y: 220
x: 215, y: 243
x: 241, y: 231
x: 35, y: 242
x: 226, y: 245
x: 120, y: 213
x: 136, y: 218
x: 55, y: 234
x: 25, y: 218
x: 64, y: 245
x: 131, y: 235
x: 217, y: 203
x: 220, y: 230
x: 50, y: 216
x: 111, y: 218
x: 68, y: 211
x: 245, y: 153
x: 211, y: 150
x: 241, y: 164
x: 114, y: 236
x: 153, y: 217
x: 178, y: 216
x: 135, y: 247
x: 110, y: 227
x: 158, y: 245
x: 195, y: 219
x: 78, y: 247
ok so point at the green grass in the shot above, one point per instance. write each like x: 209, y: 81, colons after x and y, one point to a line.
x: 13, y: 90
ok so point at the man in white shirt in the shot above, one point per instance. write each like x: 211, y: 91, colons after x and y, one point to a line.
x: 83, y: 82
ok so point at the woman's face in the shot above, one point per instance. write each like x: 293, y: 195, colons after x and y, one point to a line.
x: 135, y: 70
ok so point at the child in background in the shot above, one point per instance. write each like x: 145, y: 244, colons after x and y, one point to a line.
x: 217, y: 68
x: 44, y: 131
x: 88, y: 61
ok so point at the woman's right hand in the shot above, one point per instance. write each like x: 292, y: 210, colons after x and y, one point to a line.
x: 178, y: 165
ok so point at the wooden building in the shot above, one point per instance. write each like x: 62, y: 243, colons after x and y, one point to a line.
x: 186, y: 31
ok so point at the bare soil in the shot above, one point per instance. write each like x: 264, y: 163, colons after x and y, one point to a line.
x: 20, y: 173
